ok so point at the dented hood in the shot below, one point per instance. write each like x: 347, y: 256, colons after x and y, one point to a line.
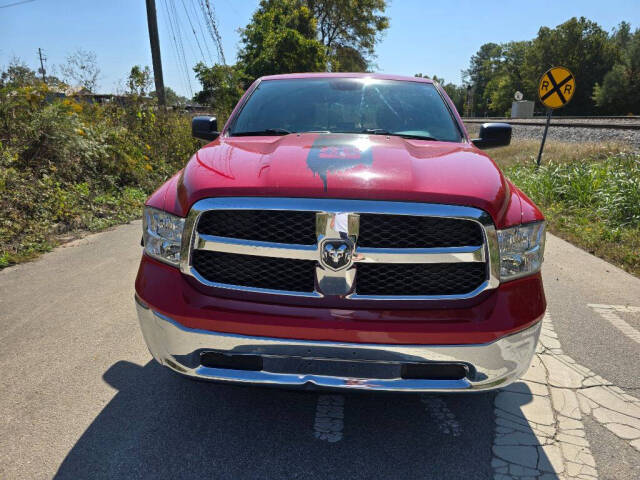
x: 372, y: 167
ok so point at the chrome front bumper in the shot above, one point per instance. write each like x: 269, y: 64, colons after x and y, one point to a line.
x: 301, y: 363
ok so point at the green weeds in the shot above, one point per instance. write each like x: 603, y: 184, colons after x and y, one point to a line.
x: 67, y: 167
x: 594, y: 203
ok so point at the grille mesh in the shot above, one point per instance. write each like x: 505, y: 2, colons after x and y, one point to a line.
x: 413, y: 279
x: 253, y: 271
x: 405, y: 231
x: 376, y: 231
x: 262, y: 225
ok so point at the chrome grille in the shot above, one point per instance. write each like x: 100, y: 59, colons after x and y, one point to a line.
x: 263, y: 245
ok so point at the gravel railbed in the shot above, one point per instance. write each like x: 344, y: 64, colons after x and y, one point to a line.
x: 570, y: 134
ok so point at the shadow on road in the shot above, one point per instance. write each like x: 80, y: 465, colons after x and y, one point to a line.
x: 160, y: 425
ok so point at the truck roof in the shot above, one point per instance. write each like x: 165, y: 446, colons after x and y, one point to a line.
x: 379, y: 76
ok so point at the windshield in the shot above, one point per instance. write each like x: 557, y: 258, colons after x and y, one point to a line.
x: 347, y: 105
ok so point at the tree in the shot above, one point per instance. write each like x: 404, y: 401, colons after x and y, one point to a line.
x: 507, y: 79
x: 620, y: 89
x: 222, y: 87
x: 496, y: 72
x: 18, y: 74
x: 482, y: 69
x: 172, y: 98
x: 622, y: 35
x: 139, y: 80
x: 349, y: 30
x: 348, y: 59
x: 613, y: 95
x: 82, y: 69
x: 281, y: 38
x: 580, y: 45
x: 457, y: 93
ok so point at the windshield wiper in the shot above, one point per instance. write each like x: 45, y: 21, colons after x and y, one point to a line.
x: 266, y: 131
x: 382, y: 131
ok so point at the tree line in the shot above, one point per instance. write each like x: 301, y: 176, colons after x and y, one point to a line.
x: 606, y: 67
x: 286, y: 36
x: 81, y: 73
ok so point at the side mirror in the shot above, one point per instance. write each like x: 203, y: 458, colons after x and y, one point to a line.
x: 205, y: 127
x: 493, y: 135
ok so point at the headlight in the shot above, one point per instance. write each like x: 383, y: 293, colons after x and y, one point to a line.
x: 162, y: 234
x: 521, y: 250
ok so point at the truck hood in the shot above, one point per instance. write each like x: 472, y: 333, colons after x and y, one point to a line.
x: 372, y: 167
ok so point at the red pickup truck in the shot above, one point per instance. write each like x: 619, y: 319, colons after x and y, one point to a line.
x: 343, y: 231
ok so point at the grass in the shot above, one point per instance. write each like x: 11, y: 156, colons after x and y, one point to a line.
x: 589, y: 193
x: 525, y: 152
x: 38, y: 235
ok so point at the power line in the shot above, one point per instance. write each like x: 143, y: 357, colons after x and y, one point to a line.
x: 206, y: 20
x: 194, y: 9
x: 214, y: 25
x: 176, y: 24
x: 181, y: 44
x: 183, y: 73
x: 193, y: 30
x: 210, y: 19
x: 14, y: 4
x: 182, y: 59
x: 194, y: 23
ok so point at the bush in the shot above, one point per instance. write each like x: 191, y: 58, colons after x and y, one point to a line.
x: 68, y: 166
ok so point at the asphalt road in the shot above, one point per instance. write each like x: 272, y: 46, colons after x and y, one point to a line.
x: 80, y: 396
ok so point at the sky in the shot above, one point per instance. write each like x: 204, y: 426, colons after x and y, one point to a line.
x: 430, y: 37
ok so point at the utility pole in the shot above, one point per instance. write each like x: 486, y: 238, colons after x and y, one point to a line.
x: 152, y: 21
x: 44, y: 78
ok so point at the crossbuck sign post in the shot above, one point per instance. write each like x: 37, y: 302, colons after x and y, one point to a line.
x: 555, y: 89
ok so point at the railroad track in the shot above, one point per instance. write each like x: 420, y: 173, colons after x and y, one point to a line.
x: 609, y: 123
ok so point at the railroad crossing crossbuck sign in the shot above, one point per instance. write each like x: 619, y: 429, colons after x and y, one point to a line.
x: 556, y: 88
